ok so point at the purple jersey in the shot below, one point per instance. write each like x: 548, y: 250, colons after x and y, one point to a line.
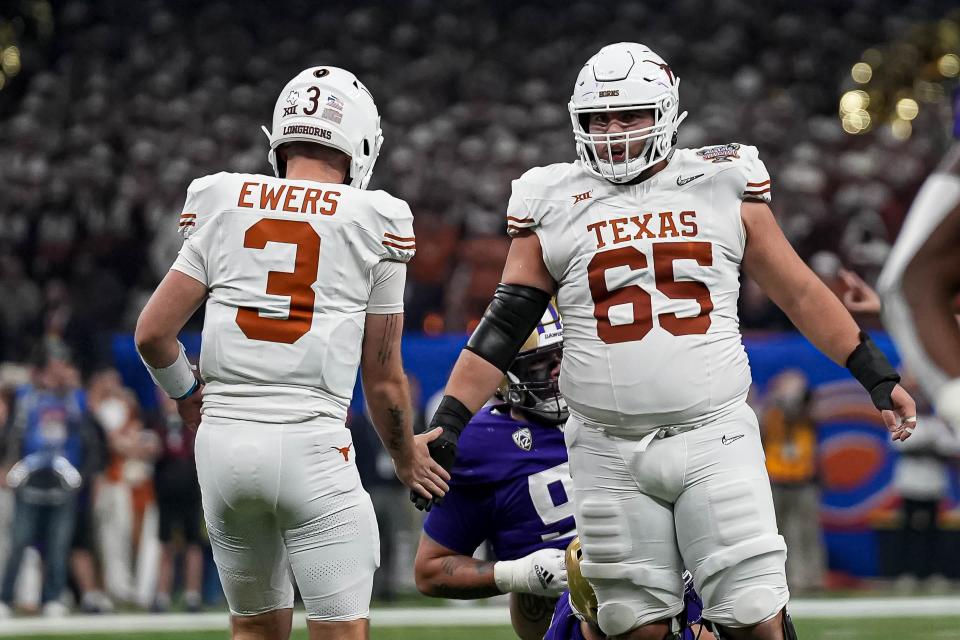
x: 566, y: 626
x: 510, y: 486
x: 956, y: 113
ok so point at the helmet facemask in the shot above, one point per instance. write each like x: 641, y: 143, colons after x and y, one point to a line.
x: 656, y: 141
x: 532, y: 387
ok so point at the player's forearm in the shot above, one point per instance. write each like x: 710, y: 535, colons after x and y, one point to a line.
x: 473, y: 381
x: 457, y: 577
x: 158, y: 348
x: 392, y: 414
x: 821, y: 318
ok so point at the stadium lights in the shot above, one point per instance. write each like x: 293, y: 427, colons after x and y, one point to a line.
x: 907, y: 108
x: 861, y: 73
x: 949, y: 65
x: 10, y: 61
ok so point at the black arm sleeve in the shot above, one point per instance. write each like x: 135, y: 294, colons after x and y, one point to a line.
x: 506, y: 324
x: 872, y: 369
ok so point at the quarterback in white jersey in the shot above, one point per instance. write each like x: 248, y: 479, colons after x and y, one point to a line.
x: 303, y: 276
x: 643, y: 245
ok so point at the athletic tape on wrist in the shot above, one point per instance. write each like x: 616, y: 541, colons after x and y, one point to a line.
x: 178, y: 380
x: 452, y: 415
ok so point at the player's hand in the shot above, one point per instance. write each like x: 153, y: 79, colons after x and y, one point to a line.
x: 859, y: 296
x: 189, y: 408
x: 542, y: 573
x: 903, y: 419
x: 425, y: 477
x: 442, y: 446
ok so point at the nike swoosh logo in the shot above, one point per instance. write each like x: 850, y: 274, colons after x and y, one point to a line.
x: 726, y: 440
x: 683, y: 181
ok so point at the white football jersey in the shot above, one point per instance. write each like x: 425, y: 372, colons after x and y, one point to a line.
x: 290, y: 266
x: 648, y: 279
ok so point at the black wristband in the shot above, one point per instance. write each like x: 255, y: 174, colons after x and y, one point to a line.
x: 872, y: 369
x: 452, y: 415
x: 509, y: 320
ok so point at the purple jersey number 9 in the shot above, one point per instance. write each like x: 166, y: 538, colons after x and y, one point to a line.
x: 550, y: 492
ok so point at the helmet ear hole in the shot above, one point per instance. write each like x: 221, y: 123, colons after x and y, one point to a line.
x: 366, y: 147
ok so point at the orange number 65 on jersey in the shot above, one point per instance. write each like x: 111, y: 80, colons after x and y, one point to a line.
x: 297, y: 284
x: 664, y: 254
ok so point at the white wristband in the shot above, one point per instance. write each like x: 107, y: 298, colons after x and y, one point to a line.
x: 177, y: 380
x: 947, y: 403
x: 503, y: 575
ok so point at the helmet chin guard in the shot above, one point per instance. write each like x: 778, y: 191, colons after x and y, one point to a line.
x: 529, y: 384
x: 625, y: 76
x: 330, y: 107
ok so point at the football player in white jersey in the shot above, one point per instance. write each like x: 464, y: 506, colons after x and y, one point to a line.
x: 921, y: 280
x: 643, y: 245
x: 303, y: 278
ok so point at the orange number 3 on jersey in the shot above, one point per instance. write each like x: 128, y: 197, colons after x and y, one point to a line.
x: 664, y: 255
x: 297, y: 284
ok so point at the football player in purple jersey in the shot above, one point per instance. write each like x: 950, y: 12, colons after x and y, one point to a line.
x: 575, y: 617
x: 510, y: 488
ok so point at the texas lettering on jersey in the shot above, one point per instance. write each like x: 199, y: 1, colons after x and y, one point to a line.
x: 648, y: 282
x: 646, y: 225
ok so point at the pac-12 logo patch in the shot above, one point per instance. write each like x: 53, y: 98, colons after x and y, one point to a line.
x: 722, y: 153
x: 523, y: 438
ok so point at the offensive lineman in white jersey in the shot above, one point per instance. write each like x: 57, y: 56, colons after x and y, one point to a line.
x: 303, y: 277
x: 643, y: 245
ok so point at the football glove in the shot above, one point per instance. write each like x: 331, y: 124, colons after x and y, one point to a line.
x: 542, y: 573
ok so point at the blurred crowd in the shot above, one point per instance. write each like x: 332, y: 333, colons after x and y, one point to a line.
x: 99, y: 500
x: 106, y: 492
x: 114, y: 113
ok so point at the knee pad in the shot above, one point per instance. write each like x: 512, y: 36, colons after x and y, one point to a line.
x: 601, y: 525
x: 745, y: 584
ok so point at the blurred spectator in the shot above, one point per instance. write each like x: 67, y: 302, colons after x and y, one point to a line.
x: 127, y: 489
x: 84, y: 568
x: 921, y: 478
x: 790, y: 444
x: 51, y: 447
x: 180, y: 510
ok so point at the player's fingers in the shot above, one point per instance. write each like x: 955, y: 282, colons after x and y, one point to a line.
x: 432, y: 487
x: 418, y: 501
x: 438, y: 469
x: 890, y: 420
x: 432, y: 435
x: 438, y: 481
x: 421, y: 491
x: 850, y: 278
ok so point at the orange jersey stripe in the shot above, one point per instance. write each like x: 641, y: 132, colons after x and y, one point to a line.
x: 512, y: 219
x: 399, y: 238
x: 187, y: 215
x: 409, y: 247
x: 758, y: 184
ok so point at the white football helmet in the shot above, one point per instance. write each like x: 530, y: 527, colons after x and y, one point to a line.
x: 623, y: 77
x: 328, y: 106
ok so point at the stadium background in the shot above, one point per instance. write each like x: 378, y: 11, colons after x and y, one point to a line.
x: 108, y: 110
